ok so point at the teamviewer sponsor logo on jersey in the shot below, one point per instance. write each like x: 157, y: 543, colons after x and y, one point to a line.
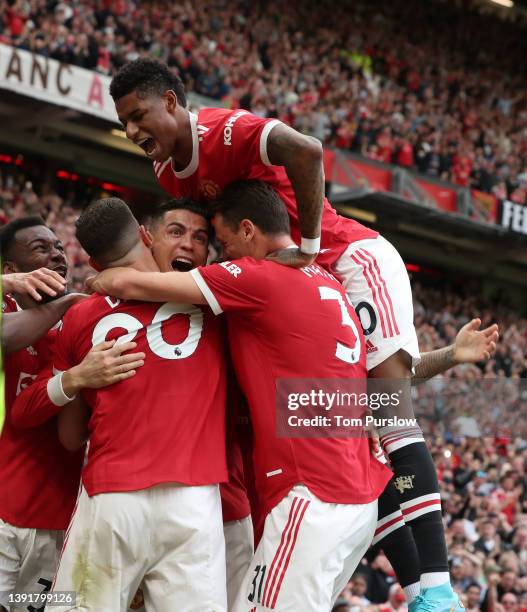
x: 232, y: 268
x: 227, y: 130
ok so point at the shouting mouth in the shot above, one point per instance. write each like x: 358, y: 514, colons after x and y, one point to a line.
x: 182, y: 264
x: 148, y: 145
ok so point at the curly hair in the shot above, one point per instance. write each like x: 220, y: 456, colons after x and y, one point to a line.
x: 147, y: 77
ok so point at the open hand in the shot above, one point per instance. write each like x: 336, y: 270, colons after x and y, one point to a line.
x: 472, y: 344
x: 104, y: 365
x: 104, y: 283
x: 34, y: 283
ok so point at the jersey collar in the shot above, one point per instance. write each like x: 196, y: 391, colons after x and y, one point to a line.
x: 194, y: 160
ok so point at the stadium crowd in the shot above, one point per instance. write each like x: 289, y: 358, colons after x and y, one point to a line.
x: 18, y: 198
x: 483, y: 481
x: 429, y: 86
x: 371, y: 78
x: 484, y: 495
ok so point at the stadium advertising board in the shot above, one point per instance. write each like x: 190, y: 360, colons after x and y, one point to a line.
x: 513, y: 216
x: 47, y: 79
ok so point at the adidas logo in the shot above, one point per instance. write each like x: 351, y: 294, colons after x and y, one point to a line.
x: 370, y: 347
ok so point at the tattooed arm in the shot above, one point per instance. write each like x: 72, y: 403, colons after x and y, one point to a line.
x: 471, y: 345
x: 302, y: 158
x: 435, y: 362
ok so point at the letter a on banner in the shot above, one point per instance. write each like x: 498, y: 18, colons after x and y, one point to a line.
x: 95, y: 94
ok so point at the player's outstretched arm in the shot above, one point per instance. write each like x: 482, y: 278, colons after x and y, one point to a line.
x: 106, y: 364
x: 128, y: 284
x: 302, y: 157
x: 470, y: 346
x: 23, y: 328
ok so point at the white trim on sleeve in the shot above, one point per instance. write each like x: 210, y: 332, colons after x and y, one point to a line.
x: 263, y: 141
x: 56, y: 392
x: 194, y: 162
x: 207, y: 293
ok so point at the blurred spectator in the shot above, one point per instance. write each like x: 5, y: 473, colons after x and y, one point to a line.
x: 358, y: 588
x: 489, y: 541
x: 341, y: 605
x: 473, y: 597
x: 396, y: 600
x: 509, y: 601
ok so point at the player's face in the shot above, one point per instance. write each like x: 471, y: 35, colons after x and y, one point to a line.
x: 149, y: 123
x: 38, y: 247
x: 233, y: 243
x: 180, y: 241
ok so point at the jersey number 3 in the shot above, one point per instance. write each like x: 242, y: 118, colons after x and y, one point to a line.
x: 343, y: 352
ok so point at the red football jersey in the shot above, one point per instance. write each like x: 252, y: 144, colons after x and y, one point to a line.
x: 39, y: 478
x: 234, y: 499
x: 289, y: 323
x: 167, y: 423
x: 33, y: 406
x: 232, y: 145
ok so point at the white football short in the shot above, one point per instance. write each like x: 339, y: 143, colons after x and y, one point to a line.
x: 239, y: 550
x: 308, y: 551
x: 375, y: 279
x: 168, y: 539
x: 28, y: 562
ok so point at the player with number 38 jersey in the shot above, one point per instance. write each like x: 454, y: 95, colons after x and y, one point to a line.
x: 147, y: 430
x: 150, y: 505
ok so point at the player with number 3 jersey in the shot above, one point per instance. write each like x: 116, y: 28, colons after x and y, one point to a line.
x: 198, y: 155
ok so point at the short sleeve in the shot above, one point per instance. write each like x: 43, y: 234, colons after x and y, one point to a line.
x: 240, y: 285
x: 248, y: 137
